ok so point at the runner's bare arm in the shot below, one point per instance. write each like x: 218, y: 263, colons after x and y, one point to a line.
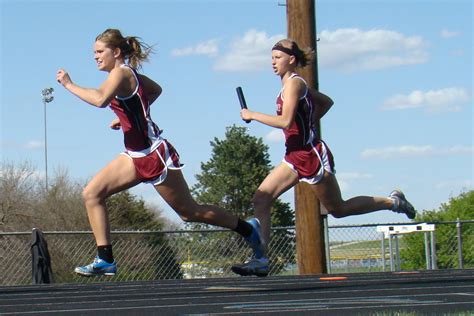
x: 293, y: 90
x: 323, y: 103
x: 100, y: 97
x: 152, y: 89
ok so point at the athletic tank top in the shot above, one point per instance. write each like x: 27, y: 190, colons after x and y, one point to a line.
x: 302, y: 131
x: 141, y: 134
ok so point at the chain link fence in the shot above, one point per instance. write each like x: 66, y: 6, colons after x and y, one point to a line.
x: 211, y: 253
x: 361, y: 248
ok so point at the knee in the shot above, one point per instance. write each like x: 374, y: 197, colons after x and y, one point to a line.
x: 336, y: 211
x: 90, y: 196
x: 189, y: 214
x: 188, y: 218
x: 339, y: 211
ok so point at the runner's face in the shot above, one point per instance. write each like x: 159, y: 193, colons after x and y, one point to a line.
x: 104, y: 56
x: 280, y: 62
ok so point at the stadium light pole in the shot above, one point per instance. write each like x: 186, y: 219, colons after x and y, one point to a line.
x: 47, y: 94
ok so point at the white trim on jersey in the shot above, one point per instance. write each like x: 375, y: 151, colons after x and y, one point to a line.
x: 305, y: 84
x: 136, y: 80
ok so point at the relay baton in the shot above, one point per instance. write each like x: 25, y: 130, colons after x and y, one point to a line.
x: 243, y: 104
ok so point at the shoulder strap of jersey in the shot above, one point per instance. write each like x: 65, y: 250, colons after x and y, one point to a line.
x: 137, y: 80
x: 295, y: 75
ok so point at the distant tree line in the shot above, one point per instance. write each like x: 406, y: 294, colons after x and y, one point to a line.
x: 26, y: 203
x: 460, y: 207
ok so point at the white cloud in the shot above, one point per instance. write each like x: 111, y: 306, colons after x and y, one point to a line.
x: 275, y: 136
x: 449, y: 34
x: 349, y: 49
x: 458, y: 53
x: 443, y: 100
x: 411, y: 151
x: 34, y: 144
x: 250, y: 52
x: 352, y: 176
x: 208, y: 48
x: 464, y: 184
x: 345, y: 179
x: 459, y: 150
x: 397, y: 152
x: 352, y: 49
x: 344, y: 185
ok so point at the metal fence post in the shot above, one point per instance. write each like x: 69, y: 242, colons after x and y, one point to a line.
x: 390, y: 247
x: 427, y: 252
x: 383, y: 252
x: 326, y: 242
x: 459, y: 235
x: 397, y: 251
x: 434, y: 265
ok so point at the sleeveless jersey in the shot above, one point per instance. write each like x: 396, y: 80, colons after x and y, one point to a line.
x: 306, y: 154
x: 141, y: 134
x: 302, y: 131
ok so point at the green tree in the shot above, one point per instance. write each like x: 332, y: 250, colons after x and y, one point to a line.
x: 128, y: 212
x: 461, y: 207
x: 237, y: 166
x: 239, y: 163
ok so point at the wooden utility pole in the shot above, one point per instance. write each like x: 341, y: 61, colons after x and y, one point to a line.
x: 310, y: 248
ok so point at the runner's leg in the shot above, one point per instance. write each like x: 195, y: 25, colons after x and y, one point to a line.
x: 117, y: 176
x: 175, y: 191
x: 278, y: 181
x: 329, y: 193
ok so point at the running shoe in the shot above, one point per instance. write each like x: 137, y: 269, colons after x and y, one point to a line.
x: 401, y: 204
x: 254, y: 266
x: 255, y: 240
x: 98, y: 267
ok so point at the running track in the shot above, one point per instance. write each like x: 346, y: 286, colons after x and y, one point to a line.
x: 425, y: 292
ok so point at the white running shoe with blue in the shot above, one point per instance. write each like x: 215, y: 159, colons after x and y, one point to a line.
x: 259, y: 267
x: 401, y: 204
x: 98, y: 267
x: 255, y: 239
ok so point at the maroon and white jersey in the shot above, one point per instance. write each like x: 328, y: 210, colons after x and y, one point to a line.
x: 141, y: 134
x: 306, y: 154
x: 302, y: 131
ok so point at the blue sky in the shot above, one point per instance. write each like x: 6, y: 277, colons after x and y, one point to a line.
x: 400, y: 73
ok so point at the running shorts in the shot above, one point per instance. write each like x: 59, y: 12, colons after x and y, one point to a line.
x: 310, y: 162
x: 153, y: 168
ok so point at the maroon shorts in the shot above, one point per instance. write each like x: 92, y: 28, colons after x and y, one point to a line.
x: 153, y: 168
x: 311, y: 162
